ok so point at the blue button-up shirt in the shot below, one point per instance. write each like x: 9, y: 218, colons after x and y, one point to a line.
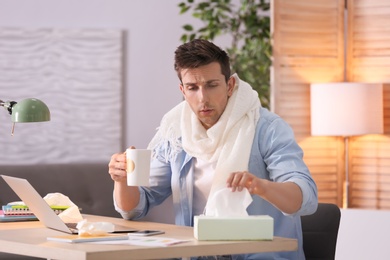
x: 275, y: 156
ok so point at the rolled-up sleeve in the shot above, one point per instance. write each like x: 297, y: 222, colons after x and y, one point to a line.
x: 283, y: 158
x: 309, y: 196
x: 135, y: 213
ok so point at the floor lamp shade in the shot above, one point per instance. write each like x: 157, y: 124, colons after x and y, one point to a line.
x: 346, y: 109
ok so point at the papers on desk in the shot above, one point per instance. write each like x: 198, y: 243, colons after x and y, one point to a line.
x: 123, y: 239
x: 154, y: 241
x: 80, y: 239
x: 145, y: 241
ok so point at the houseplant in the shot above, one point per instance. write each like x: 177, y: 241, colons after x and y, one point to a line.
x: 248, y: 24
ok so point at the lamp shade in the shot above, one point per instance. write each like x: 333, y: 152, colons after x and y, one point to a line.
x: 30, y: 110
x: 346, y: 109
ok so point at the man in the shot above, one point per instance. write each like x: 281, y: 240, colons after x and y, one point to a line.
x: 220, y: 137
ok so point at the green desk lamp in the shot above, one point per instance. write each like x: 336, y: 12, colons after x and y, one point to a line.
x: 27, y: 110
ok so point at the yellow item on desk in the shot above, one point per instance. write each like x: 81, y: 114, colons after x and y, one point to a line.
x: 79, y: 239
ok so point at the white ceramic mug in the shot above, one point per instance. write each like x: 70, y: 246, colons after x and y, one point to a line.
x: 138, y: 167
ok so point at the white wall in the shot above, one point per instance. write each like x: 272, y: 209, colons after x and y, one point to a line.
x: 153, y: 30
x: 363, y: 234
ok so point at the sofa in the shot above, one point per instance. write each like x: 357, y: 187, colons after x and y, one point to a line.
x: 89, y: 186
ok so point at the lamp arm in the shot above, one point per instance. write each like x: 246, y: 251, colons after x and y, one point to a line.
x: 7, y: 105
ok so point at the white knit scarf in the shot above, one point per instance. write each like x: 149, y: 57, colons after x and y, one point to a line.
x: 228, y: 142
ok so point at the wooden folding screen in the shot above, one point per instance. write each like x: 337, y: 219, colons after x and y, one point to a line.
x: 368, y: 60
x: 309, y: 46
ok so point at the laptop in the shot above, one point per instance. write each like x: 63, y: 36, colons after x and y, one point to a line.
x: 43, y: 211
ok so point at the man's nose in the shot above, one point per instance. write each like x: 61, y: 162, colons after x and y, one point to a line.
x: 202, y: 94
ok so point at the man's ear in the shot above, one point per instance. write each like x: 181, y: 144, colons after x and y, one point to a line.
x: 231, y: 84
x: 182, y: 89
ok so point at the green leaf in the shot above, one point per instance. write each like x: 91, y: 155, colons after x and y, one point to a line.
x: 202, y: 30
x: 184, y: 9
x: 224, y: 7
x: 192, y: 37
x: 203, y: 6
x: 183, y: 38
x: 188, y: 27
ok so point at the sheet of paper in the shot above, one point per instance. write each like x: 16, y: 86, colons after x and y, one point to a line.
x: 152, y: 241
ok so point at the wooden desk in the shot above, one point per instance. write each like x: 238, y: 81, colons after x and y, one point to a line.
x: 30, y: 238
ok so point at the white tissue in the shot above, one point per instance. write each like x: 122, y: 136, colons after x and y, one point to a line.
x: 71, y: 214
x: 225, y: 203
x: 58, y: 199
x: 86, y: 228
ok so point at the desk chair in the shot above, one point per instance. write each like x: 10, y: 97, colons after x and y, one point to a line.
x: 320, y: 232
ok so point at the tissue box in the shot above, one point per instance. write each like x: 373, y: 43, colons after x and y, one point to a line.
x: 234, y: 228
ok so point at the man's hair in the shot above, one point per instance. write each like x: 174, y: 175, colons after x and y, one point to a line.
x: 198, y: 53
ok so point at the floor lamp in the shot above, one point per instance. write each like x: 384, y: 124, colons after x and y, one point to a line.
x: 346, y: 109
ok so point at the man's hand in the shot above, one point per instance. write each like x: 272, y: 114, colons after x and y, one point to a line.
x: 126, y: 197
x: 239, y: 180
x: 117, y: 167
x: 286, y: 196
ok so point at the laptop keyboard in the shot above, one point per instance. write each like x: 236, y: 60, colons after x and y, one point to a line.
x: 118, y: 228
x: 72, y: 226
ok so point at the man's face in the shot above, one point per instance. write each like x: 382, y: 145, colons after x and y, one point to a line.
x: 206, y: 91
